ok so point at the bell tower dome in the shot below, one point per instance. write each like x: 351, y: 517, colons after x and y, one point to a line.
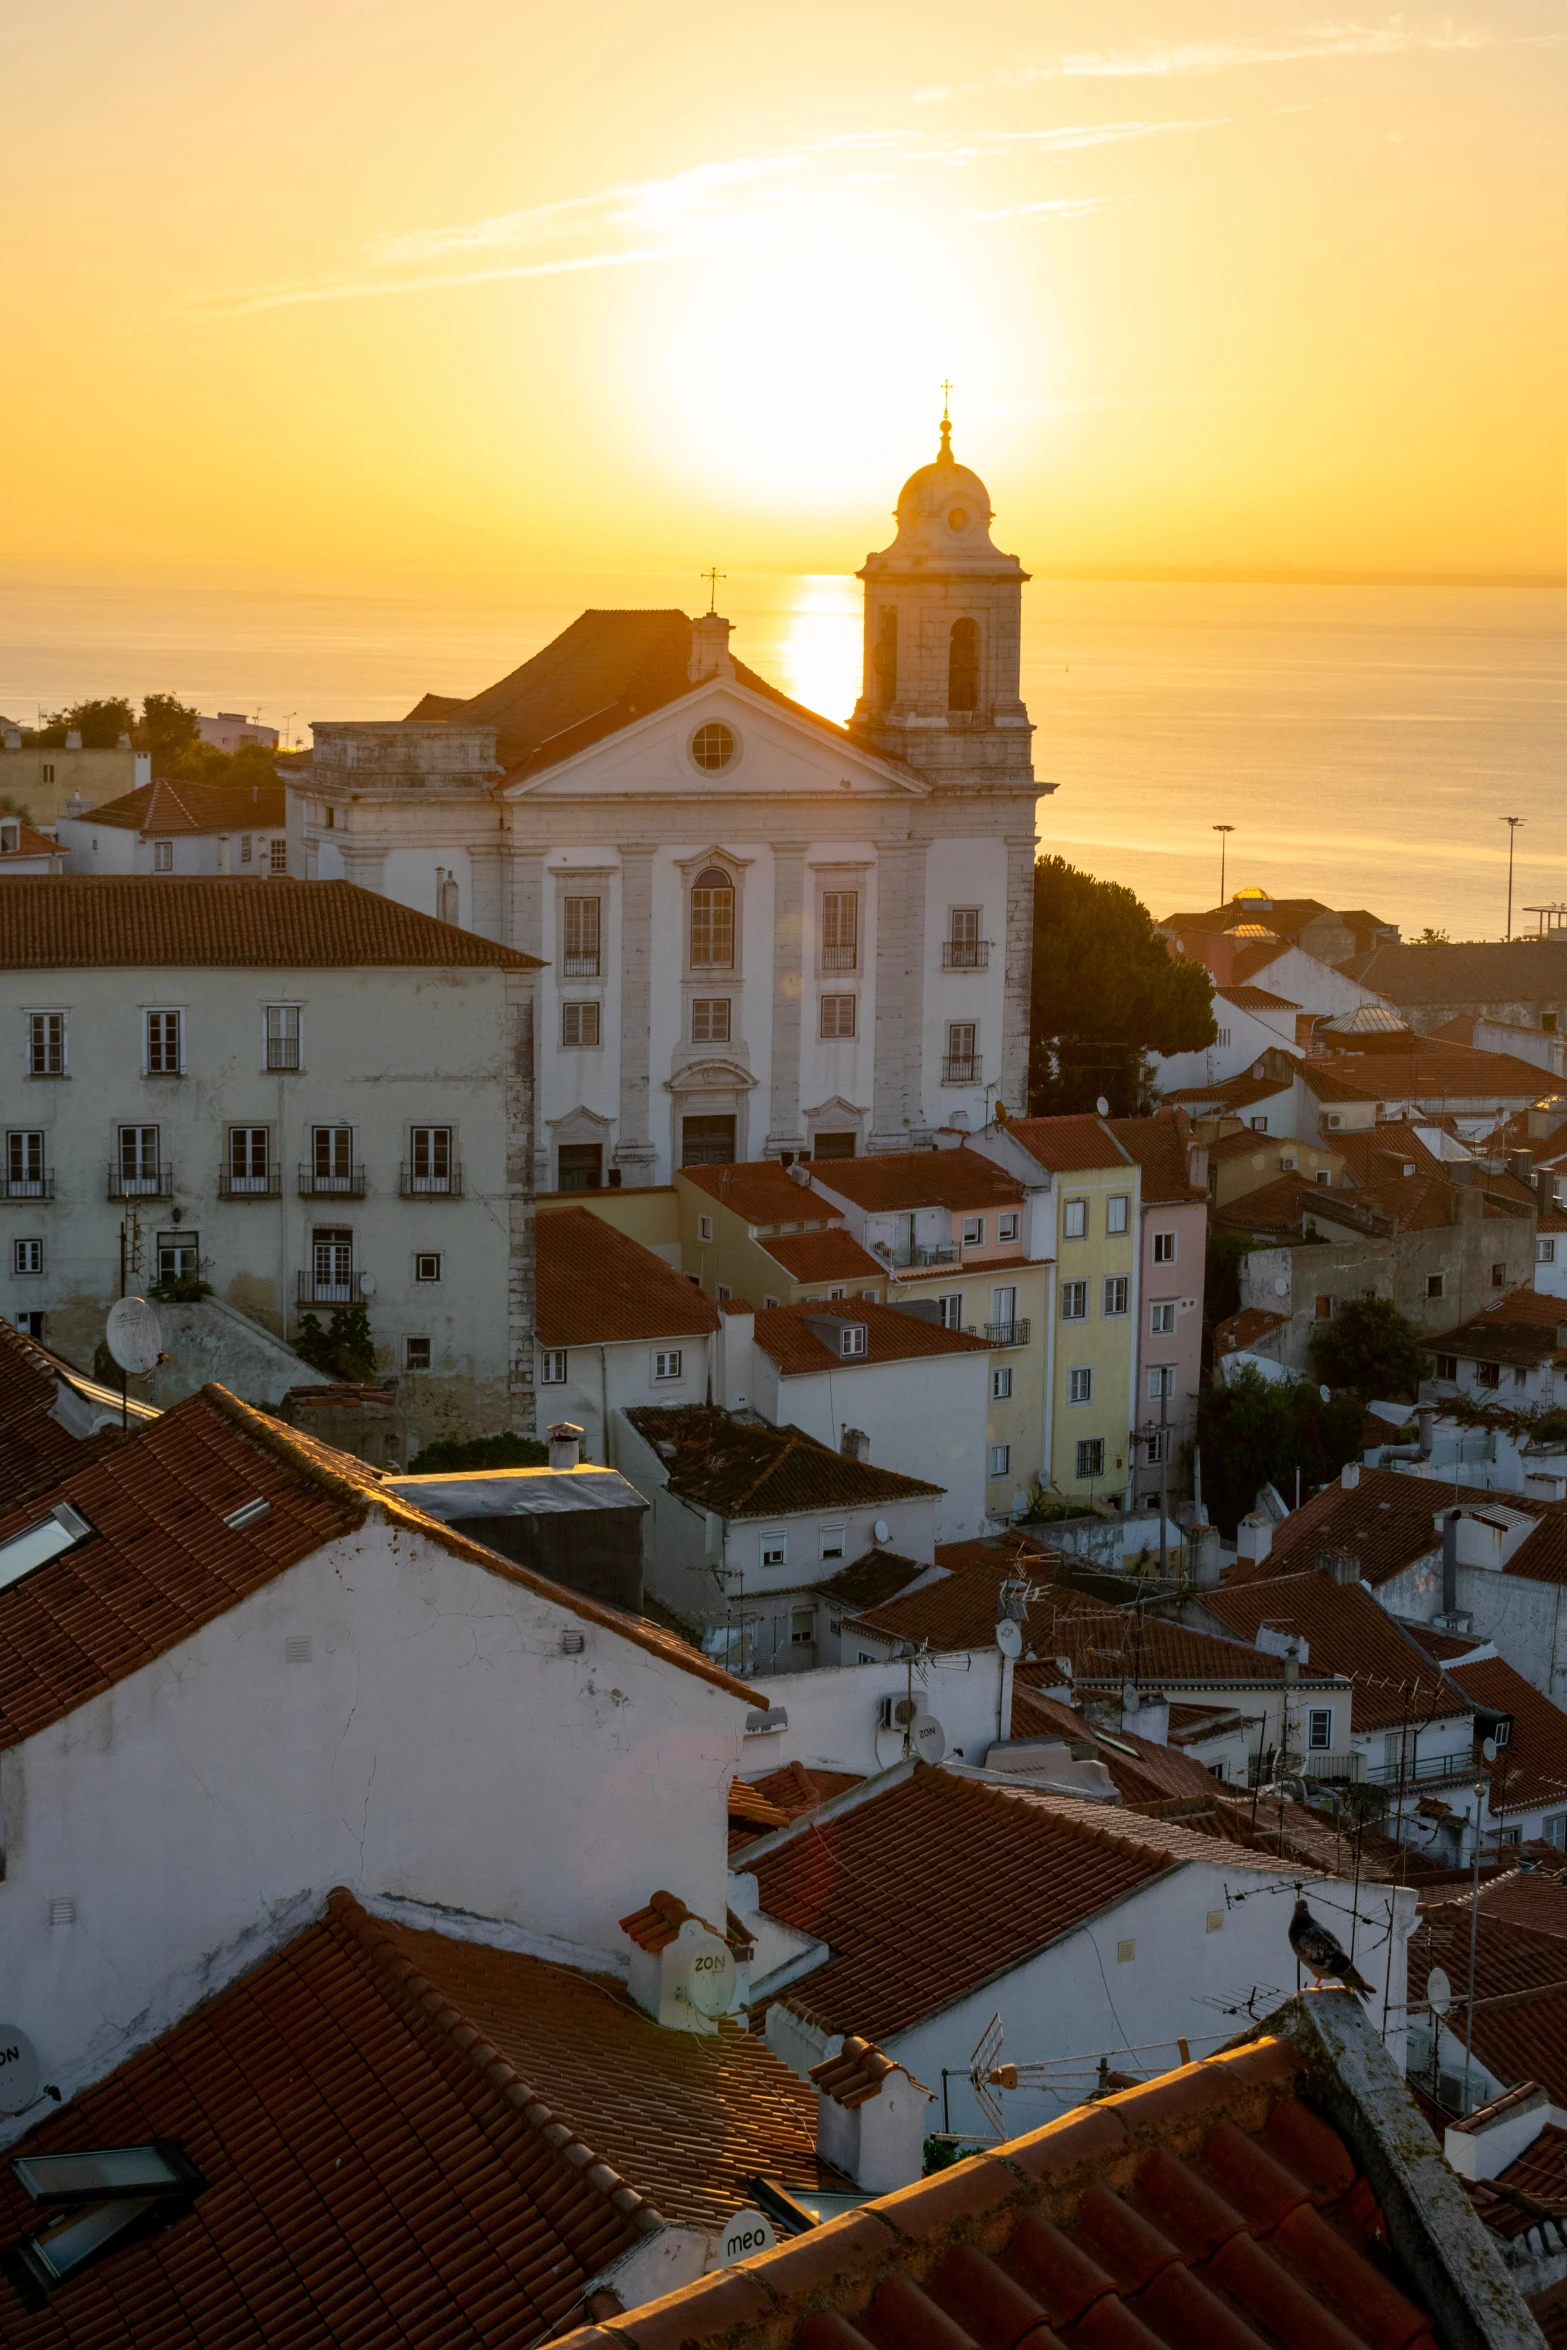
x: 943, y: 614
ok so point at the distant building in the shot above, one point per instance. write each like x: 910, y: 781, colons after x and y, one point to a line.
x: 1522, y: 985
x: 1306, y: 923
x: 230, y: 728
x: 26, y: 850
x: 238, y: 829
x: 38, y: 784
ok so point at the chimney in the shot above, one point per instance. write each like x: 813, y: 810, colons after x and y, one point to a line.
x: 1349, y: 1476
x: 565, y: 1444
x: 1427, y: 1418
x: 122, y: 742
x: 854, y: 1444
x: 870, y: 2117
x: 1521, y: 1165
x: 1491, y: 2140
x: 1202, y: 1555
x: 224, y: 864
x: 13, y: 738
x: 734, y: 1356
x: 1254, y: 1536
x: 1450, y: 1525
x: 73, y: 740
x: 709, y: 648
x: 1342, y: 1566
x: 684, y: 1973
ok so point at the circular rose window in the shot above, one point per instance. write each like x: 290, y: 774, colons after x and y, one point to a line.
x: 713, y: 746
x: 958, y: 518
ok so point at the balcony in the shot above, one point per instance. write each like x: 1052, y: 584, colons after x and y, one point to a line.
x: 580, y: 966
x: 1419, y: 1771
x: 961, y: 1069
x: 317, y: 1289
x: 314, y: 1185
x: 1016, y: 1333
x: 1319, y: 1766
x: 965, y: 954
x: 444, y: 1186
x: 40, y: 1186
x: 267, y: 1186
x: 282, y: 1052
x: 904, y: 1260
x: 841, y: 958
x: 157, y: 1183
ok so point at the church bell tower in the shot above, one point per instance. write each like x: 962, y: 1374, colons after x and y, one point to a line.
x: 943, y: 613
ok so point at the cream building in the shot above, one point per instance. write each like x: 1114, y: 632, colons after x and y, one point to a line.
x: 766, y: 935
x: 40, y: 783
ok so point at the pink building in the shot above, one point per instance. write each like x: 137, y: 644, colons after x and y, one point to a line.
x: 1169, y: 1336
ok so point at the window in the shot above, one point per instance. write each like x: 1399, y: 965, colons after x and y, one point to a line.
x: 165, y: 1043
x: 1080, y: 1386
x: 802, y: 1627
x: 832, y: 1542
x: 1447, y: 1366
x: 667, y: 1361
x: 1164, y: 1248
x: 1161, y: 1382
x: 282, y: 1036
x: 851, y: 1339
x: 973, y: 1231
x: 31, y: 1325
x: 775, y: 1550
x: 580, y: 953
x: 24, y: 1163
x: 884, y: 661
x: 179, y: 1256
x: 1003, y: 1315
x: 710, y: 1019
x: 1323, y: 1309
x: 46, y: 1044
x: 1223, y: 1040
x: 1118, y: 1212
x: 1091, y: 1456
x: 1001, y: 1384
x: 1118, y: 1293
x: 430, y: 1158
x: 579, y: 1024
x: 713, y: 746
x: 1157, y: 1443
x: 331, y: 1158
x: 249, y: 1158
x: 552, y: 1366
x: 278, y: 856
x: 707, y: 1142
x: 1000, y: 1460
x: 1548, y: 1023
x: 838, y: 1015
x: 427, y: 1267
x: 1555, y: 1830
x: 1520, y: 1378
x: 1319, y: 1728
x: 949, y: 1310
x: 244, y: 848
x: 1007, y: 1227
x: 840, y: 930
x: 163, y: 856
x: 1498, y: 1276
x: 713, y: 921
x: 1074, y: 1220
x: 1125, y: 1952
x: 963, y: 665
x: 1074, y: 1301
x: 1260, y: 1125
x: 139, y: 1169
x: 1161, y: 1317
x: 1488, y: 1374
x: 833, y: 1146
x: 966, y: 950
x: 723, y: 1292
x: 416, y: 1354
x: 579, y: 1166
x: 27, y: 1256
x: 768, y: 1303
x: 962, y: 1066
x: 1324, y: 1175
x: 704, y: 1227
x: 1545, y: 1252
x: 1436, y: 1285
x: 332, y: 1264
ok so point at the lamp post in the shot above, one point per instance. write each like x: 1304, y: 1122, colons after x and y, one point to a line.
x: 1512, y: 823
x: 1224, y: 831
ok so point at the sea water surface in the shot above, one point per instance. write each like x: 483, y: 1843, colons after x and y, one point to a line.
x: 1364, y: 742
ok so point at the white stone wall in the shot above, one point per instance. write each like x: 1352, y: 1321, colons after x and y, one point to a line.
x: 925, y: 1417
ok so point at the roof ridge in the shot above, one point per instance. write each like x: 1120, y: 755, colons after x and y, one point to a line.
x: 348, y: 1918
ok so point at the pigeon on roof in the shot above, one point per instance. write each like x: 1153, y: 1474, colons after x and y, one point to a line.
x: 1319, y: 1948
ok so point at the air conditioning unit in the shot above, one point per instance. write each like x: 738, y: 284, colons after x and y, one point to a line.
x: 900, y: 1713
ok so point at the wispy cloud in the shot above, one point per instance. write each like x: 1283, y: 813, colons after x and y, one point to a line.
x: 1393, y: 37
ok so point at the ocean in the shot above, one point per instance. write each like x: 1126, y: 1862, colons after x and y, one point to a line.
x: 1364, y: 742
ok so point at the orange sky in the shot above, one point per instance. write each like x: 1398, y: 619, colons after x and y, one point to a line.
x: 329, y: 289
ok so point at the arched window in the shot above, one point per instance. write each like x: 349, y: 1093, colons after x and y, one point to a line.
x: 884, y: 659
x: 712, y: 921
x: 963, y: 666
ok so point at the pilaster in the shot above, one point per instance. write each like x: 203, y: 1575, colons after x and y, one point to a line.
x: 486, y: 862
x: 364, y: 863
x: 521, y: 994
x: 898, y: 1118
x: 525, y: 892
x: 788, y: 995
x: 634, y: 1147
x: 1017, y: 998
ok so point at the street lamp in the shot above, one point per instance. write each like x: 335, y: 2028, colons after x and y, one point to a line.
x: 1512, y: 823
x: 1224, y: 831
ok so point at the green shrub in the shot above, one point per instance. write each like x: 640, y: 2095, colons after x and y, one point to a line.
x: 447, y: 1454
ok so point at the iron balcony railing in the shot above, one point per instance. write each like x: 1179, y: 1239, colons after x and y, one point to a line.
x: 282, y: 1052
x: 314, y: 1185
x: 1318, y: 1765
x: 1013, y: 1333
x: 443, y: 1186
x: 319, y: 1289
x: 965, y: 954
x: 157, y: 1183
x: 40, y: 1186
x: 841, y: 958
x: 945, y: 1252
x: 961, y: 1069
x: 1415, y: 1770
x: 585, y: 966
x: 266, y: 1186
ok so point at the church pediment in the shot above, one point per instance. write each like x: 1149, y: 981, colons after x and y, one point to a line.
x: 722, y: 741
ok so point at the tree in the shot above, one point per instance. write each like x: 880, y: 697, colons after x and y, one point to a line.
x: 1371, y: 1349
x: 344, y: 1349
x: 1259, y: 1431
x: 1431, y: 938
x: 171, y: 730
x: 1106, y: 993
x: 99, y: 723
x: 448, y: 1454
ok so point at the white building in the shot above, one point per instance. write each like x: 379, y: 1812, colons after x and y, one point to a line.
x: 239, y: 829
x: 766, y: 934
x: 301, y: 1097
x: 230, y: 728
x: 617, y: 1327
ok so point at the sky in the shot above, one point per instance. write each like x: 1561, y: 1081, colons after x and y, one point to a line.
x: 350, y: 291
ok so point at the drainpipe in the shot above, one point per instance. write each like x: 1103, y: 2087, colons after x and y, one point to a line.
x: 1450, y: 1563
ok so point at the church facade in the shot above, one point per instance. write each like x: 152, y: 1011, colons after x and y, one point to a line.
x: 765, y: 935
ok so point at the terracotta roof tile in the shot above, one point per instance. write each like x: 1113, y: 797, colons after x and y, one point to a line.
x: 1108, y: 1645
x: 1520, y: 2022
x: 1235, y: 1094
x: 1348, y: 1634
x: 1429, y: 1074
x: 1255, y: 999
x: 746, y: 1469
x: 1388, y: 1521
x: 960, y: 1179
x: 1074, y: 1145
x: 760, y: 1190
x: 891, y: 1336
x: 1511, y: 972
x: 790, y: 1790
x: 823, y: 1256
x: 30, y: 842
x: 167, y: 808
x: 1240, y: 1331
x: 656, y: 1926
x: 1158, y: 1144
x: 598, y: 1286
x: 870, y: 1581
x: 747, y: 1803
x: 856, y: 2073
x: 73, y: 921
x: 37, y: 1448
x: 1531, y: 1769
x: 960, y: 1608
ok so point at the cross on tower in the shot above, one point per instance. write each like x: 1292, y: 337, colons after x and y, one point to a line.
x: 712, y: 578
x: 946, y: 398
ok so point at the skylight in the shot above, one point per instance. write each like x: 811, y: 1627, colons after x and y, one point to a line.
x: 95, y: 2200
x: 36, y: 1545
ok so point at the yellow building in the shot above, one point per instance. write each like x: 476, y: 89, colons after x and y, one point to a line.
x: 40, y: 784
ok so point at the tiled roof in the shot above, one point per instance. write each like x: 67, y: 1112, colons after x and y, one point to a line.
x: 1520, y: 972
x: 1430, y: 1073
x: 1538, y: 2177
x: 1158, y: 1146
x: 376, y: 2173
x: 795, y: 1789
x: 1111, y: 1644
x: 29, y: 842
x: 1235, y: 1094
x: 891, y: 1336
x: 598, y: 1286
x: 1239, y: 1331
x: 73, y: 921
x: 745, y: 1469
x: 824, y: 1256
x: 164, y: 808
x: 960, y: 1179
x: 37, y: 1448
x: 856, y: 2073
x: 1286, y: 1204
x: 881, y: 1881
x: 1211, y: 2209
x: 1520, y: 2020
x: 162, y: 1559
x: 870, y: 1581
x: 1255, y: 999
x: 961, y: 1609
x: 1349, y: 1634
x: 1522, y: 1327
x: 760, y: 1190
x: 656, y: 1926
x: 1075, y: 1145
x: 748, y: 1805
x: 1531, y: 1769
x: 1388, y: 1521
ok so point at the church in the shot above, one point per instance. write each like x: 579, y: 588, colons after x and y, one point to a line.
x: 765, y: 935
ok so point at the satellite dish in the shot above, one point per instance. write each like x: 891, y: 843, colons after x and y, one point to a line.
x: 1326, y: 1394
x: 1130, y: 1700
x: 1065, y: 1667
x: 133, y: 1334
x: 367, y: 1284
x: 1102, y: 1106
x: 710, y: 1976
x: 1489, y: 1749
x: 928, y: 1739
x: 1439, y: 1991
x: 1281, y: 1287
x: 18, y: 2070
x: 1009, y: 1636
x: 746, y: 2233
x: 882, y: 1531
